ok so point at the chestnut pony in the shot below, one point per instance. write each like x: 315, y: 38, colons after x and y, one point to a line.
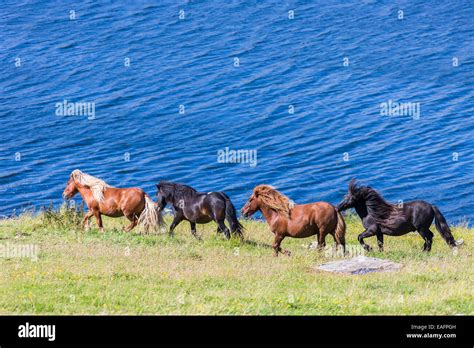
x: 103, y: 199
x: 298, y: 221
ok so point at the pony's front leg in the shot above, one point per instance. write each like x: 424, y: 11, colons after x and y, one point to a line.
x: 193, y: 230
x: 98, y: 218
x: 86, y: 220
x: 276, y: 245
x: 176, y: 220
x: 367, y: 233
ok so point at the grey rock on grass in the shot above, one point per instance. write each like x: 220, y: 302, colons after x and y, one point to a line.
x: 359, y: 265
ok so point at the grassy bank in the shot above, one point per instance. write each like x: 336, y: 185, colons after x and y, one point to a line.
x: 120, y: 273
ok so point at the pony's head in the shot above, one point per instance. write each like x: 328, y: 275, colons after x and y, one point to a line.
x: 71, y: 188
x: 163, y: 194
x: 170, y: 192
x: 351, y: 198
x: 383, y: 212
x: 78, y: 179
x: 266, y: 196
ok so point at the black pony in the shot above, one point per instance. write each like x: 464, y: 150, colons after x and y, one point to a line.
x: 198, y: 207
x: 380, y: 217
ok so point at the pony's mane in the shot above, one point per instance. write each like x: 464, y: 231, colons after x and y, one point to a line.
x: 96, y: 185
x: 177, y: 191
x: 274, y: 199
x: 385, y: 213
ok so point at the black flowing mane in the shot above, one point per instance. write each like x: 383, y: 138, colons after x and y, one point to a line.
x: 385, y: 213
x: 176, y: 191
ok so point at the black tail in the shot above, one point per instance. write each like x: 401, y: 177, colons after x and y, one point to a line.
x: 231, y: 217
x: 443, y: 228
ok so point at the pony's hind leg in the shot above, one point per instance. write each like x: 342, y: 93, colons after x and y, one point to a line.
x: 380, y: 241
x: 427, y: 236
x: 322, y: 240
x: 133, y: 222
x: 223, y: 228
x: 340, y: 242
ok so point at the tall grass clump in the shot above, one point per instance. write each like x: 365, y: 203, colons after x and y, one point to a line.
x: 64, y: 217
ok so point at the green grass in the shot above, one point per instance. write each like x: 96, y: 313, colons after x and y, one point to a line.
x: 81, y: 272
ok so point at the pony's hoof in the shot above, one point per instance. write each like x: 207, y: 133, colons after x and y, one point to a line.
x: 287, y: 253
x: 240, y: 236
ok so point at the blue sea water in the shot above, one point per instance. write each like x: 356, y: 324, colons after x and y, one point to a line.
x: 337, y: 130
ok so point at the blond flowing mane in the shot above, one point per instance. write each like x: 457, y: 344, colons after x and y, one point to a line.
x: 274, y: 199
x: 96, y: 185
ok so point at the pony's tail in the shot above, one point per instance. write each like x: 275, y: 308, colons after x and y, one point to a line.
x: 443, y: 228
x: 340, y: 234
x: 150, y: 218
x: 231, y: 217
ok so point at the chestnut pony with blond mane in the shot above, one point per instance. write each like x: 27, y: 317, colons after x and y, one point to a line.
x: 297, y: 221
x: 103, y: 199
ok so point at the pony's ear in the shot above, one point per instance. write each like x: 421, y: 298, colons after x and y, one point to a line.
x: 352, y: 185
x: 256, y: 192
x: 157, y: 186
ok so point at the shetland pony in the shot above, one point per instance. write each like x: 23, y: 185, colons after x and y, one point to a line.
x: 198, y: 208
x: 297, y: 221
x: 103, y: 199
x: 380, y: 217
